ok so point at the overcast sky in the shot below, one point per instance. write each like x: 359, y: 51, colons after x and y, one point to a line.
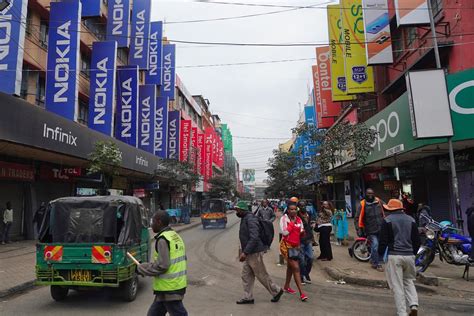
x: 255, y: 100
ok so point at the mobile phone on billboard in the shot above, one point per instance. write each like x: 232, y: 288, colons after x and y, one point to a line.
x: 378, y: 24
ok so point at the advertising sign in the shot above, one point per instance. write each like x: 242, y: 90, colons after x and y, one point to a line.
x: 412, y: 12
x: 161, y: 127
x: 16, y: 171
x: 328, y: 107
x: 12, y: 38
x: 118, y: 22
x: 59, y: 174
x: 174, y: 122
x: 207, y: 161
x: 194, y: 148
x: 377, y: 32
x: 63, y: 59
x: 347, y: 197
x: 127, y: 104
x: 102, y: 87
x: 338, y: 76
x: 359, y: 77
x: 248, y: 175
x: 140, y: 33
x: 309, y: 147
x: 169, y: 71
x: 200, y: 153
x: 91, y: 7
x: 155, y: 54
x: 146, y: 114
x: 184, y: 140
x: 322, y: 122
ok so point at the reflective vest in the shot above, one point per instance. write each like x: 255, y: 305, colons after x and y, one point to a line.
x: 175, y: 277
x: 362, y: 212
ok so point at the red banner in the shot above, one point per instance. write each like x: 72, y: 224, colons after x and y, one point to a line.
x: 194, y: 148
x: 184, y: 140
x: 208, y: 156
x: 328, y: 107
x: 16, y: 171
x: 200, y: 153
x: 322, y: 122
x: 59, y: 174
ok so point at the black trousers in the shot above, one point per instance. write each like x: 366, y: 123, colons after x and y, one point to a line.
x: 325, y: 242
x: 174, y: 308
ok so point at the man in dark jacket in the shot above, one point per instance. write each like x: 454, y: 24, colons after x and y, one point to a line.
x: 251, y: 254
x: 470, y: 227
x: 265, y: 211
x: 369, y: 219
x: 306, y: 253
x: 399, y: 233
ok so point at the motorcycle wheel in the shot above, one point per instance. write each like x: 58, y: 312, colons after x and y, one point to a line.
x: 423, y: 259
x: 361, y: 250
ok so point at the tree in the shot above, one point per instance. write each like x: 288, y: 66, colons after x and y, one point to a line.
x: 106, y: 159
x: 221, y: 186
x: 180, y: 174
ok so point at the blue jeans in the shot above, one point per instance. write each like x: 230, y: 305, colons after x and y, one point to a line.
x: 174, y: 308
x: 306, y: 258
x: 374, y: 254
x: 6, y: 232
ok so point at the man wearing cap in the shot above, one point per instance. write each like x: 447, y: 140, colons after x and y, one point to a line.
x: 251, y: 254
x: 399, y: 234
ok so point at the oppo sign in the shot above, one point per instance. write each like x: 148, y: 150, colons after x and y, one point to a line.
x: 454, y: 93
x: 385, y: 129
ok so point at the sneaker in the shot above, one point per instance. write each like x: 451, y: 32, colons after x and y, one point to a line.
x: 244, y: 301
x: 289, y: 290
x: 306, y: 280
x: 277, y: 297
x: 303, y: 297
x: 379, y: 268
x: 414, y: 310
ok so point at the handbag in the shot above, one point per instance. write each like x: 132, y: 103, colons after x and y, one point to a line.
x: 283, y: 249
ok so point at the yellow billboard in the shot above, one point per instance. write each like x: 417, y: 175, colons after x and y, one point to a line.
x: 338, y: 77
x: 359, y: 76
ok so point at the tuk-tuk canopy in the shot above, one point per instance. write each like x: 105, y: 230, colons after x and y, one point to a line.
x: 213, y: 206
x: 108, y: 219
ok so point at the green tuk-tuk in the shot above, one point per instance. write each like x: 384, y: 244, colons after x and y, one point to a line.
x: 83, y: 244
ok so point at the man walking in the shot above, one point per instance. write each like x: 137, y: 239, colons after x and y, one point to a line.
x: 251, y: 254
x: 399, y: 233
x: 168, y: 269
x: 470, y: 227
x: 369, y: 219
x: 7, y: 222
x: 306, y: 253
x: 265, y: 211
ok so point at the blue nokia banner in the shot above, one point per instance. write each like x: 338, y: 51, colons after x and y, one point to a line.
x: 91, y: 7
x: 155, y: 54
x: 118, y: 22
x: 102, y: 87
x: 174, y: 120
x: 140, y: 33
x: 146, y: 115
x: 63, y: 59
x: 127, y: 104
x: 161, y: 127
x: 12, y: 38
x: 169, y: 71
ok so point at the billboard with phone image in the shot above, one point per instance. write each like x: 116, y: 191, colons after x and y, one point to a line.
x: 377, y: 32
x: 412, y: 12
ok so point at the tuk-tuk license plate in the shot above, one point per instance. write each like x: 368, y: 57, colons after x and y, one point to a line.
x: 213, y: 220
x: 80, y: 275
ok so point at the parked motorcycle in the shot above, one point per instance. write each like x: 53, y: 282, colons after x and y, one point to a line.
x: 444, y: 239
x: 361, y: 249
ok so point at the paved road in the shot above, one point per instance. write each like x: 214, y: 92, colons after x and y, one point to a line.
x: 214, y: 277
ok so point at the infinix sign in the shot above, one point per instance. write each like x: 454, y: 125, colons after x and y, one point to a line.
x: 146, y: 114
x: 140, y: 33
x: 118, y: 22
x: 63, y: 59
x: 57, y: 134
x: 161, y: 127
x: 127, y: 104
x: 169, y: 71
x: 153, y: 75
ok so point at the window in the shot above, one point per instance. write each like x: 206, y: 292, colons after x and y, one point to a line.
x: 83, y: 112
x: 24, y: 82
x: 40, y: 91
x: 96, y: 27
x: 122, y: 55
x: 411, y: 35
x: 85, y: 65
x: 436, y: 7
x: 44, y: 31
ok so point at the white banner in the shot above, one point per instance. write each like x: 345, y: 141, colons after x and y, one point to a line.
x: 411, y: 12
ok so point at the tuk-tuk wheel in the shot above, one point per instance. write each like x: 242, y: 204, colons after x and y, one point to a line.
x: 59, y: 293
x: 129, y: 288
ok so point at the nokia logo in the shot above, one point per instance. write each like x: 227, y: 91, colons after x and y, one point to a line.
x: 117, y: 17
x: 126, y: 113
x: 61, y: 69
x: 167, y: 72
x: 141, y: 161
x: 5, y: 33
x: 100, y: 96
x: 159, y: 120
x: 172, y: 140
x: 153, y: 59
x: 139, y: 35
x: 58, y: 135
x: 145, y: 122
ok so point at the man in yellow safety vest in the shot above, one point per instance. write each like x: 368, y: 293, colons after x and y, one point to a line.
x: 168, y: 269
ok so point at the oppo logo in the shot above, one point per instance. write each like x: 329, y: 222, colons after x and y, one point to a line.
x: 386, y: 129
x: 454, y: 93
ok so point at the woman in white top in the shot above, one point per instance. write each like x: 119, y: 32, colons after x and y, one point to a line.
x: 7, y: 222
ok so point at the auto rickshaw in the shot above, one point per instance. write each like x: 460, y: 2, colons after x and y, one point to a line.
x: 214, y: 213
x: 83, y: 244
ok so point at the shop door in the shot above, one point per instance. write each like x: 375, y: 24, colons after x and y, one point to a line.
x: 439, y: 194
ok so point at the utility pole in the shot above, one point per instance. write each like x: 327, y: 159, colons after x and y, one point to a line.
x: 452, y: 162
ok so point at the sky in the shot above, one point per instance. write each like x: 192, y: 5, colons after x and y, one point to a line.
x: 261, y: 101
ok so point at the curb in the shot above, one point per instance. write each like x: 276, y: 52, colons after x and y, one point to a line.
x: 17, y: 288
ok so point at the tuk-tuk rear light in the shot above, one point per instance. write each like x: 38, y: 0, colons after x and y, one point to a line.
x: 53, y: 253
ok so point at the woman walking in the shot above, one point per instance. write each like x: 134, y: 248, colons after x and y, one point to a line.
x: 292, y: 229
x: 324, y: 228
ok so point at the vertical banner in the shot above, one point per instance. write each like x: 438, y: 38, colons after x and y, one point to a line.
x: 91, y: 8
x: 377, y: 32
x: 118, y: 22
x: 140, y: 33
x: 325, y: 122
x: 194, y: 139
x: 208, y: 145
x: 347, y: 197
x: 161, y: 127
x: 12, y: 38
x: 201, y: 155
x: 63, y: 59
x: 169, y: 71
x: 146, y: 114
x: 220, y: 153
x: 359, y: 77
x: 184, y: 140
x: 174, y: 120
x: 102, y: 87
x: 127, y: 104
x: 329, y: 108
x: 412, y: 12
x: 155, y: 54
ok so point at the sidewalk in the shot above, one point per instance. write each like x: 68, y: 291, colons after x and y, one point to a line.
x: 17, y: 262
x: 447, y: 277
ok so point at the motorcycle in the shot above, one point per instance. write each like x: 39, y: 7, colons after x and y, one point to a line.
x: 446, y: 241
x: 361, y: 249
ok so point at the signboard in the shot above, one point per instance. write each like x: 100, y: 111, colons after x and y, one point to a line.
x: 118, y: 22
x: 169, y: 71
x: 322, y: 122
x: 16, y: 171
x: 377, y: 32
x: 161, y: 127
x: 12, y: 38
x: 140, y: 33
x: 174, y: 123
x: 102, y: 87
x: 184, y: 140
x: 200, y: 154
x: 248, y: 176
x: 194, y: 136
x: 328, y: 107
x: 62, y: 76
x: 338, y: 76
x: 139, y: 193
x: 309, y: 147
x: 155, y: 55
x: 127, y: 104
x: 412, y: 12
x: 359, y: 77
x: 347, y: 197
x: 91, y: 7
x: 59, y: 174
x: 208, y: 157
x: 146, y: 115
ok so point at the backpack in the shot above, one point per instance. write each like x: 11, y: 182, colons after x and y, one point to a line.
x: 267, y: 232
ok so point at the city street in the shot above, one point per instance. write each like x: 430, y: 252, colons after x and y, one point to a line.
x: 214, y: 286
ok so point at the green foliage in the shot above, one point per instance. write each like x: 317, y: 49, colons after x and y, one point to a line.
x: 178, y: 172
x: 221, y: 187
x: 106, y: 158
